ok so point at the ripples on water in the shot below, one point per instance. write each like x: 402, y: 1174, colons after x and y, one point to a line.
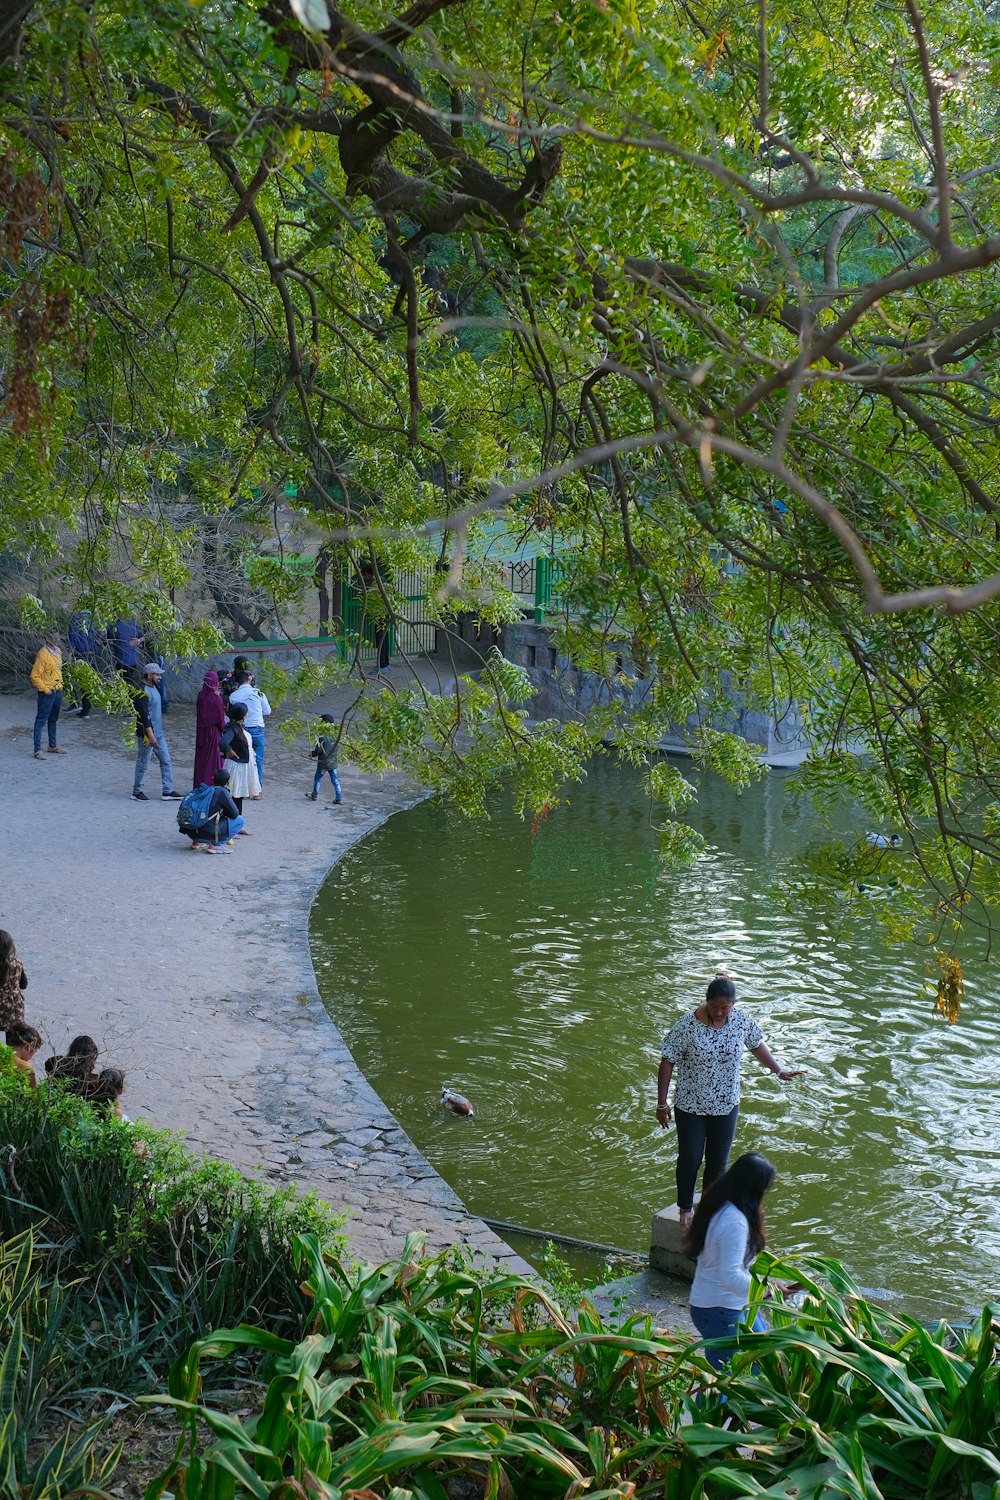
x: 538, y: 976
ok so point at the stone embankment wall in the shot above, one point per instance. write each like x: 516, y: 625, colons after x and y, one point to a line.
x: 562, y: 691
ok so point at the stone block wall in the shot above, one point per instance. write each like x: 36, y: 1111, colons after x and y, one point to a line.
x: 563, y: 692
x: 184, y: 678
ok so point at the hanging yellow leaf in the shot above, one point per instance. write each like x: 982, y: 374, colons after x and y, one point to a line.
x: 715, y: 46
x: 950, y: 987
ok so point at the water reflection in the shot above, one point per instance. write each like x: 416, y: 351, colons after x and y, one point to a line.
x: 537, y: 976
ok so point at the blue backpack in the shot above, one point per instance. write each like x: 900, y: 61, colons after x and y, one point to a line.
x: 195, y: 810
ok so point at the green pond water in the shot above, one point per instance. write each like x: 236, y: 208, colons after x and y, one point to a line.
x: 536, y: 972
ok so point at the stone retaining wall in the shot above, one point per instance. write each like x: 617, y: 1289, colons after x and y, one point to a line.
x: 563, y: 692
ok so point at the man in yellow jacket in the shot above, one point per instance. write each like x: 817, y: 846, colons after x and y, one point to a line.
x: 46, y: 676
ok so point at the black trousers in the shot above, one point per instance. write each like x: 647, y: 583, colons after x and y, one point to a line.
x: 708, y: 1137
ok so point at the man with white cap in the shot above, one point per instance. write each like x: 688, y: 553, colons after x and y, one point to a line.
x: 150, y: 735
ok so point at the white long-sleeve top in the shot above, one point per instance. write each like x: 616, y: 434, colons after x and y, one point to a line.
x: 721, y: 1277
x: 256, y: 703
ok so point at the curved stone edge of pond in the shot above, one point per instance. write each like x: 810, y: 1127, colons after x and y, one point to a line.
x: 194, y: 972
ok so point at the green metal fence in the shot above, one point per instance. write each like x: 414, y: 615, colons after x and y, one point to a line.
x: 533, y: 579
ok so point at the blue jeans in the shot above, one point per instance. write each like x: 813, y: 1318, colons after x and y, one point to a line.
x: 330, y: 771
x: 47, y: 713
x: 256, y: 738
x: 708, y: 1136
x: 144, y: 754
x: 721, y: 1323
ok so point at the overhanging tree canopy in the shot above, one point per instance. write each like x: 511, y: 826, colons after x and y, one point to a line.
x: 708, y: 296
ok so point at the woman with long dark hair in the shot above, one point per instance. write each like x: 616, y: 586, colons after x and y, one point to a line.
x: 705, y: 1048
x: 13, y: 980
x: 727, y: 1232
x: 76, y: 1066
x: 238, y: 758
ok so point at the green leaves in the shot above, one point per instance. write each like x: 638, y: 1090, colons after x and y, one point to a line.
x: 33, y: 1316
x: 837, y: 1399
x: 161, y: 1245
x: 717, y: 294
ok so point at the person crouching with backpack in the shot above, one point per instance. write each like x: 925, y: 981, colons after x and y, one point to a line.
x: 208, y: 816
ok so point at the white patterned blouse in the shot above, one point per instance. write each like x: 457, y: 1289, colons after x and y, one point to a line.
x: 707, y: 1060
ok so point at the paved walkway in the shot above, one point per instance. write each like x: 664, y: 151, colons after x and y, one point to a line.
x: 193, y: 973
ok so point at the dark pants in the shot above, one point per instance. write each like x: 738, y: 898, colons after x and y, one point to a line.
x: 47, y: 717
x: 701, y: 1136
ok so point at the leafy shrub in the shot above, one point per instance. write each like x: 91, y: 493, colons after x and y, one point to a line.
x: 424, y: 1381
x: 162, y: 1244
x: 34, y: 1316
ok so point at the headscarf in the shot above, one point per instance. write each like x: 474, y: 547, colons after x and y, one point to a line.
x: 211, y: 712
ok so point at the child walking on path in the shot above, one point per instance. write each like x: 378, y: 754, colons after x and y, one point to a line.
x: 324, y: 753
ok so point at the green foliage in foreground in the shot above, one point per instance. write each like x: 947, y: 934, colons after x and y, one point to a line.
x: 423, y: 1378
x: 33, y: 1315
x: 420, y: 1377
x: 160, y: 1246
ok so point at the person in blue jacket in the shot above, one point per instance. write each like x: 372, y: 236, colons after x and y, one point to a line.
x: 221, y: 820
x: 85, y: 644
x: 126, y: 641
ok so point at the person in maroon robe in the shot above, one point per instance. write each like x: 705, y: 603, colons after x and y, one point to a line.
x: 211, y: 722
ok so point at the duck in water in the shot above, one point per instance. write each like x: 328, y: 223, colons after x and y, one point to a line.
x: 456, y: 1104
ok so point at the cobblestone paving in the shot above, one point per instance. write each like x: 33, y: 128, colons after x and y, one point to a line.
x: 193, y: 973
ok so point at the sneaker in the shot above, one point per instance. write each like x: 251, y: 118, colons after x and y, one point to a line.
x: 337, y: 801
x: 39, y: 754
x: 212, y: 849
x: 84, y: 716
x: 195, y: 844
x: 171, y: 797
x: 54, y: 750
x: 138, y: 796
x: 69, y: 712
x: 309, y: 796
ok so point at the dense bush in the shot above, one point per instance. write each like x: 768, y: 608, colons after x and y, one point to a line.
x: 424, y: 1381
x: 162, y: 1245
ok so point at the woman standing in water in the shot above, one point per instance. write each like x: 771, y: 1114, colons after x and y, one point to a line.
x: 705, y: 1049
